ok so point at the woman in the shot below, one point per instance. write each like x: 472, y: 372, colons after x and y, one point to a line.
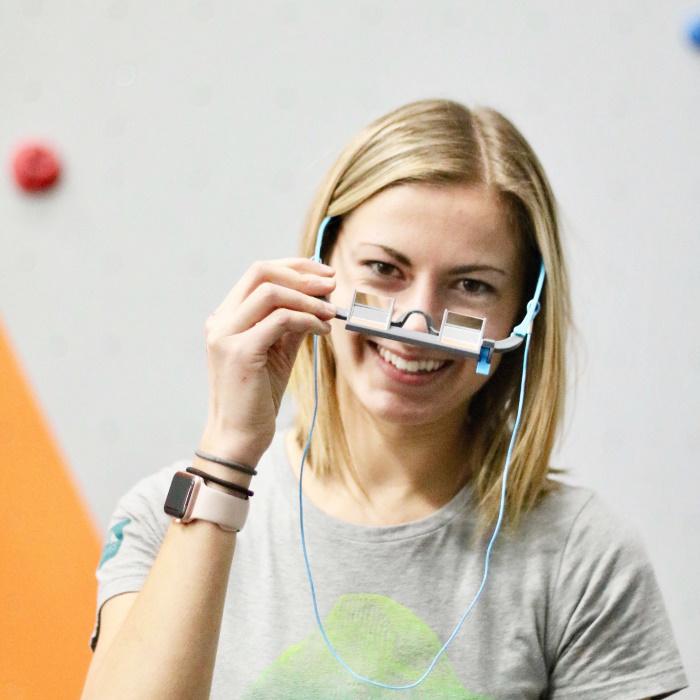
x: 438, y: 207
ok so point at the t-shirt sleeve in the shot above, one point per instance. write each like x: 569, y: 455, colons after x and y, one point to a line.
x: 135, y: 532
x: 611, y: 636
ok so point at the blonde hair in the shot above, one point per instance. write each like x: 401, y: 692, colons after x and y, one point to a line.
x: 444, y: 142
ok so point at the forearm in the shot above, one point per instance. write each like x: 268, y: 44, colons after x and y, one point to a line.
x: 166, y: 645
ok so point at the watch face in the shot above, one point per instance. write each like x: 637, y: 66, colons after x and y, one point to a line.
x: 179, y: 495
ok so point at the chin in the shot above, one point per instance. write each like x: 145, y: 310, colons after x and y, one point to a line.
x: 399, y: 415
x: 397, y: 411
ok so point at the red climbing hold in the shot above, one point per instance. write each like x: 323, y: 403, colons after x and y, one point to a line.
x: 36, y: 167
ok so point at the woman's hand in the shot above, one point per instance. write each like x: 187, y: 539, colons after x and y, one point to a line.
x: 252, y: 340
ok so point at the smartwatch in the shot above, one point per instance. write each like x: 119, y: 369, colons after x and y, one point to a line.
x: 189, y: 498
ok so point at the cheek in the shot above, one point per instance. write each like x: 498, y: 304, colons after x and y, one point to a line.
x: 501, y: 320
x: 481, y: 379
x: 336, y: 338
x: 347, y: 346
x: 468, y: 382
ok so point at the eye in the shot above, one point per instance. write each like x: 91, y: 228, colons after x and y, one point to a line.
x: 476, y: 287
x: 383, y: 269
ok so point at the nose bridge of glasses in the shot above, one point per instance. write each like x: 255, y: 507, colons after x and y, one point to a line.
x: 419, y: 305
x: 416, y: 319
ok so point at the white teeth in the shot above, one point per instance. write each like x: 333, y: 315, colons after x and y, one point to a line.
x: 413, y: 365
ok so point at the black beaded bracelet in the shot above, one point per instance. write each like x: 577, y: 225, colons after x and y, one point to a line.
x: 247, y: 493
x: 232, y: 465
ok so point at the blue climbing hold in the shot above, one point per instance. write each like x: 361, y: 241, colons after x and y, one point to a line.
x: 694, y: 32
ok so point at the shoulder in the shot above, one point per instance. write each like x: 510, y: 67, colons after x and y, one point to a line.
x: 599, y: 530
x: 578, y: 517
x: 608, y: 632
x: 581, y: 540
x: 599, y: 564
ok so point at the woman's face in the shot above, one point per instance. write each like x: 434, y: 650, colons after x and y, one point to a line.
x: 431, y: 248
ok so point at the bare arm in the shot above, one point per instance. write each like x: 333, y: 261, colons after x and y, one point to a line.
x: 162, y: 641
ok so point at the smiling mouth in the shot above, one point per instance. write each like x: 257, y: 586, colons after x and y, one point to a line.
x: 415, y: 367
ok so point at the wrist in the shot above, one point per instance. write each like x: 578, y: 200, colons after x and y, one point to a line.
x: 230, y: 448
x: 239, y: 451
x: 220, y: 471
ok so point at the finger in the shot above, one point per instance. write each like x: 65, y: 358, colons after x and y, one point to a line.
x: 263, y: 301
x: 296, y: 273
x: 263, y: 335
x: 305, y: 265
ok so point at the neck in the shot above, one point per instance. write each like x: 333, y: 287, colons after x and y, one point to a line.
x: 398, y: 473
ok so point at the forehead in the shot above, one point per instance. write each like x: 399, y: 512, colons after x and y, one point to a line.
x: 443, y: 220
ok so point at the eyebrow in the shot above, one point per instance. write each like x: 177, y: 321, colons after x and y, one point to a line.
x: 459, y: 270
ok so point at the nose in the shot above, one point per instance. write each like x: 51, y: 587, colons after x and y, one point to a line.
x: 423, y: 299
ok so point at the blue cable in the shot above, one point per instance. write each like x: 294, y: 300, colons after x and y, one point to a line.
x: 487, y: 557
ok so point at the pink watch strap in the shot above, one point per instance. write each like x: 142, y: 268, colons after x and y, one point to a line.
x: 227, y: 511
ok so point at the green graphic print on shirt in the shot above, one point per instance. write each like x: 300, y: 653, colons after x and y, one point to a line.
x: 376, y: 637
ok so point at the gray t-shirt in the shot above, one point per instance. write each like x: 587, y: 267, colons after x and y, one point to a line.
x: 571, y: 608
